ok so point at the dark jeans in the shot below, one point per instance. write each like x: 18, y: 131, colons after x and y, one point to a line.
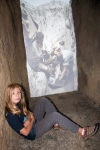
x: 52, y: 117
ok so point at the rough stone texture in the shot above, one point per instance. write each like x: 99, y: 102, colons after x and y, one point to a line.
x: 74, y: 105
x: 12, y: 60
x: 86, y: 14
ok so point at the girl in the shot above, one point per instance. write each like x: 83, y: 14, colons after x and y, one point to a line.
x: 33, y: 125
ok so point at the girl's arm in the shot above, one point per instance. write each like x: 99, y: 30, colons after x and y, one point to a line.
x: 26, y: 130
x: 28, y: 120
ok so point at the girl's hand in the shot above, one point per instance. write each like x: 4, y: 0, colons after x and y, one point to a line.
x: 30, y: 118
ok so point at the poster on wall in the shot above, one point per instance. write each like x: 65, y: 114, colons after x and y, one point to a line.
x: 50, y: 44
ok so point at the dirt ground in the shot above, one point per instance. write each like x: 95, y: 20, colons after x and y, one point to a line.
x: 78, y: 108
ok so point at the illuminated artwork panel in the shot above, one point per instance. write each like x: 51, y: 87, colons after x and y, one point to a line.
x: 50, y: 45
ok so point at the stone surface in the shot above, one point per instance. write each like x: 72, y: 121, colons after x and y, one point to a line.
x: 12, y: 61
x: 83, y: 110
x: 86, y: 15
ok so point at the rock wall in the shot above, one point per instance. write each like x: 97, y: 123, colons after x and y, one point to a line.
x: 12, y: 62
x: 86, y: 14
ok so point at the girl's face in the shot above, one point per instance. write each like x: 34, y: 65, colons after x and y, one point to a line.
x: 16, y: 95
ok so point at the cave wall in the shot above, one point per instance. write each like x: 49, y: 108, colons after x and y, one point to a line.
x: 86, y: 15
x: 12, y: 62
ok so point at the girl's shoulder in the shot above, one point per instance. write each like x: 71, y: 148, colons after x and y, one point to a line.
x: 11, y: 115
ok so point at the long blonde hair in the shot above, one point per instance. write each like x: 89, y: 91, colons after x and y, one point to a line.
x: 9, y: 105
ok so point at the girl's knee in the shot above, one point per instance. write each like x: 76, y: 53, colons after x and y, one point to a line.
x: 55, y: 114
x: 42, y: 99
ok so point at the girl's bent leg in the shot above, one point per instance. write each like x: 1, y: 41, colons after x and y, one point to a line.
x: 43, y: 106
x: 55, y: 118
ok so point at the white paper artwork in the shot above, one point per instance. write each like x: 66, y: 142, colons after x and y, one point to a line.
x: 50, y: 45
